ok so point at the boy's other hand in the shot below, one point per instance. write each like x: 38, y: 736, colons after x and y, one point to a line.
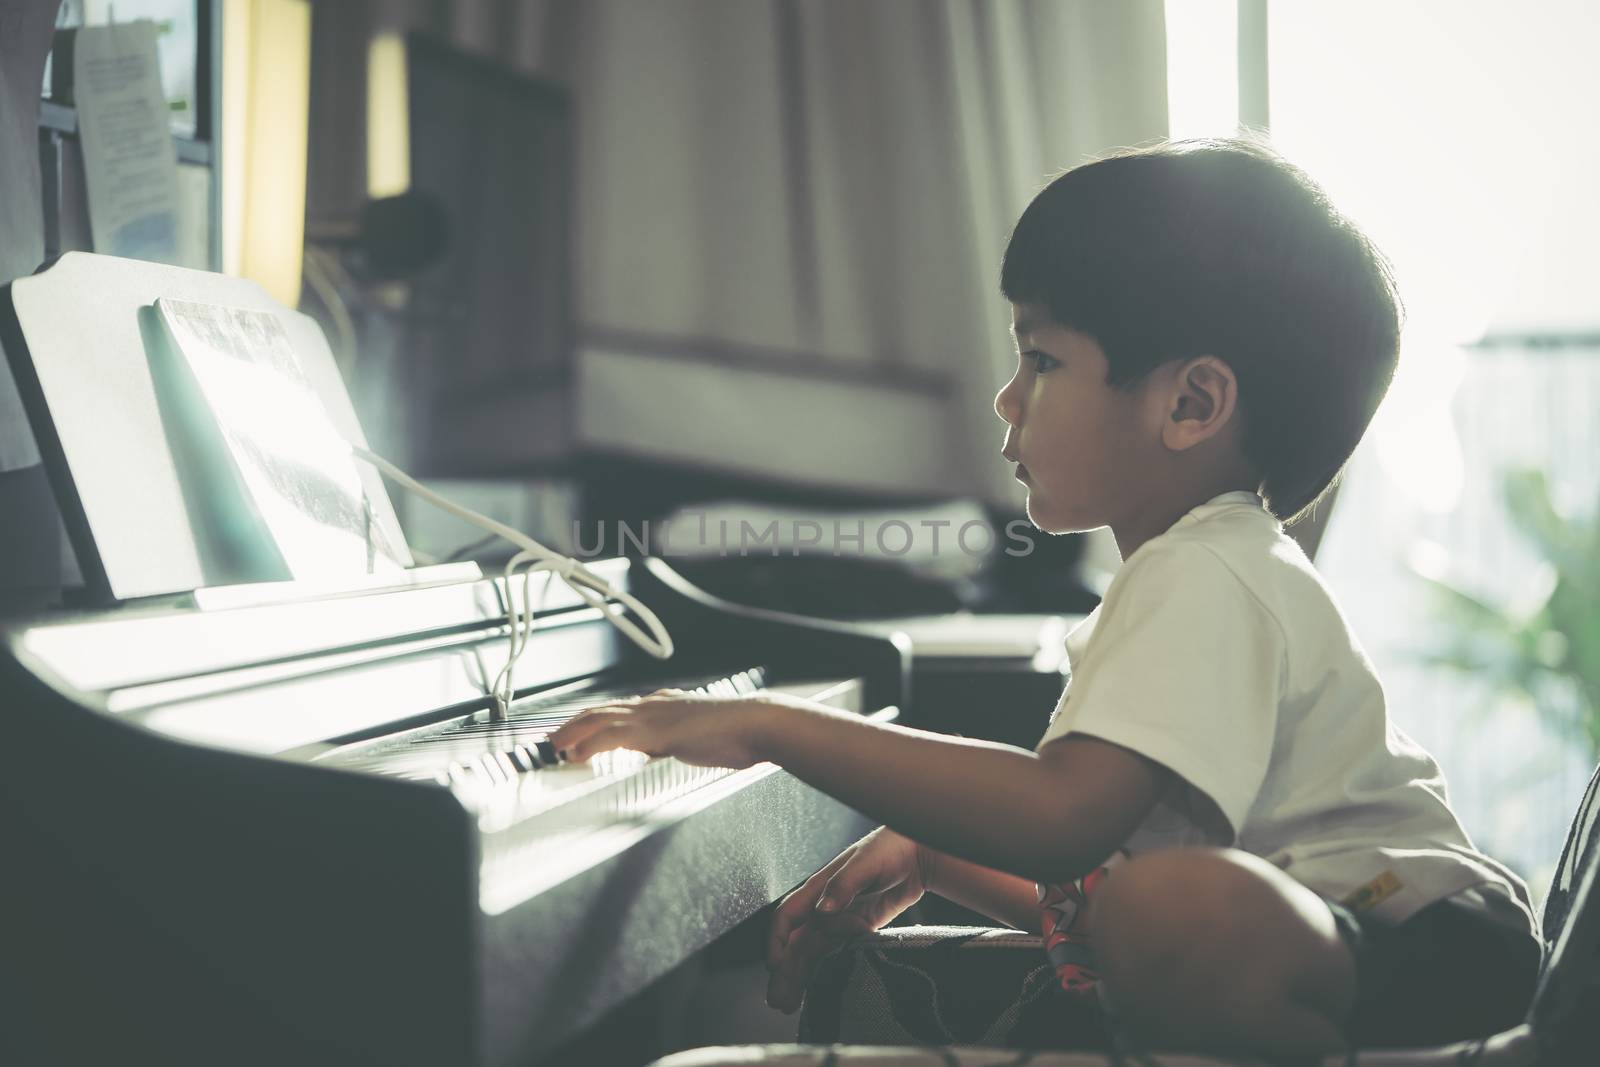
x: 861, y: 890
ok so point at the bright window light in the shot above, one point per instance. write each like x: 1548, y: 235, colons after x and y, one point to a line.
x: 1202, y: 68
x: 1446, y: 130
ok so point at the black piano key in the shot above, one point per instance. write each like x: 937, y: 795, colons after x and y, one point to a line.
x: 547, y: 752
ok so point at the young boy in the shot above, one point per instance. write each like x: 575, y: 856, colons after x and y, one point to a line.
x: 1273, y: 866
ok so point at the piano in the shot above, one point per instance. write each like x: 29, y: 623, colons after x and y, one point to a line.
x: 290, y: 833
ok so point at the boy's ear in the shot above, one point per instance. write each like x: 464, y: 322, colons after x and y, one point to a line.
x: 1202, y: 402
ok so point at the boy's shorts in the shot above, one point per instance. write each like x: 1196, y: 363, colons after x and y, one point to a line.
x: 1454, y: 971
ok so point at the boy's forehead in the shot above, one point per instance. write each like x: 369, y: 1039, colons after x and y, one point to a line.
x: 1029, y: 318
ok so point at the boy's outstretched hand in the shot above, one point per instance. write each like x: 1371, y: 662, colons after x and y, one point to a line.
x: 866, y: 886
x: 703, y: 730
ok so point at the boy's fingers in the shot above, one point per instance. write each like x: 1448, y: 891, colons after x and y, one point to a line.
x: 791, y: 914
x: 795, y: 909
x: 623, y: 734
x: 584, y: 725
x: 786, y: 988
x: 787, y: 984
x: 859, y: 875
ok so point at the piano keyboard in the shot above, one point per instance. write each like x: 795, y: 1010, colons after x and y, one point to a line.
x: 417, y: 885
x: 539, y: 817
x: 507, y: 772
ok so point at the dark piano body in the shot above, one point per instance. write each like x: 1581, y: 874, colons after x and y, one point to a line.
x: 287, y: 834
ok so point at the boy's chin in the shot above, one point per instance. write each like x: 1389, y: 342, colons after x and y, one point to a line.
x: 1046, y: 518
x: 1056, y: 520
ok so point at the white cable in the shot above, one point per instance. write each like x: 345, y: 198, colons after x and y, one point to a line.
x: 534, y: 557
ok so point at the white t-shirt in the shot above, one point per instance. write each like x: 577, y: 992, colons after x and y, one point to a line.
x: 1219, y: 653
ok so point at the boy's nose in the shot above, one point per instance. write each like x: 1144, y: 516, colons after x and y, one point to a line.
x: 1006, y: 404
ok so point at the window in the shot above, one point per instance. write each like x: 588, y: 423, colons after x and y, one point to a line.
x: 1450, y: 132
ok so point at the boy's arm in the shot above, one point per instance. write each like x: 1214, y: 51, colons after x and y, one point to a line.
x: 1006, y: 898
x: 1049, y: 816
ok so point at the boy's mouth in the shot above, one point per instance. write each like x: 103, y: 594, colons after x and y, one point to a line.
x: 1022, y: 474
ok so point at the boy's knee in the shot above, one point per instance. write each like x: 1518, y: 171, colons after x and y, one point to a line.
x: 1215, y: 925
x: 1158, y: 905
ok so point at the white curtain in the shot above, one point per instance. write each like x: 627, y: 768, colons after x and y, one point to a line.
x: 822, y: 191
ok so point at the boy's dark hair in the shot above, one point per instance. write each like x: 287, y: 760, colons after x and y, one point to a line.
x: 1222, y: 248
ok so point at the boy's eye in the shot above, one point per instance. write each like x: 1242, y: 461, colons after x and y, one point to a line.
x: 1041, y: 361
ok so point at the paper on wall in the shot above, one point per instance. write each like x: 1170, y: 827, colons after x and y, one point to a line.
x: 130, y: 165
x: 25, y: 29
x: 177, y: 26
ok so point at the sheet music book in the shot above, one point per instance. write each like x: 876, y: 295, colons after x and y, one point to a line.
x: 296, y: 494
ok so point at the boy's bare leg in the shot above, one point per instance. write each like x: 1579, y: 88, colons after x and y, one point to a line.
x: 1217, y: 950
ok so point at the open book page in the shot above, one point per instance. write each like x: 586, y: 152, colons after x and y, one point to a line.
x: 296, y: 470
